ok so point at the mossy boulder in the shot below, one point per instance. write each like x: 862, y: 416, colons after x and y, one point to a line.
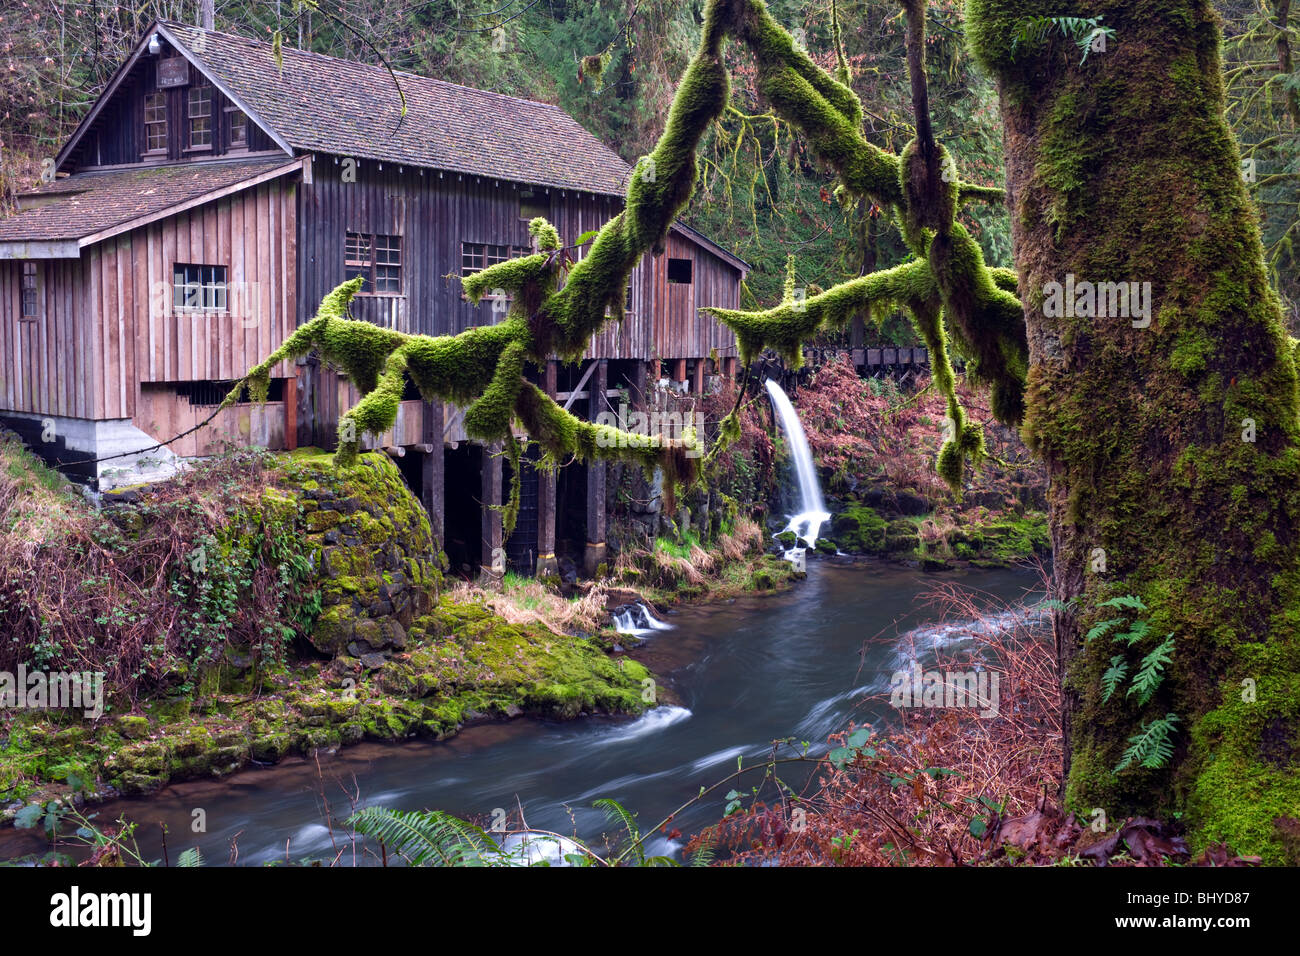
x: 377, y: 562
x: 858, y: 529
x: 902, y: 538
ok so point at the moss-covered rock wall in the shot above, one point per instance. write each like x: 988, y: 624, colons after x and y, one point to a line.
x: 377, y: 563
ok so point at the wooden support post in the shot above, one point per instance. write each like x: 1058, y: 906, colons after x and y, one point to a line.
x: 679, y: 370
x: 304, y: 382
x: 697, y: 383
x: 433, y: 467
x: 546, y: 563
x: 594, y: 555
x: 640, y: 398
x: 493, y: 558
x: 729, y: 367
x: 290, y: 410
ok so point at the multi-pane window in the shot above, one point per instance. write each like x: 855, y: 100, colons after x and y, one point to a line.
x: 476, y: 256
x: 200, y: 114
x: 357, y: 256
x: 377, y: 259
x: 31, y: 298
x: 198, y: 288
x: 155, y: 121
x: 238, y: 126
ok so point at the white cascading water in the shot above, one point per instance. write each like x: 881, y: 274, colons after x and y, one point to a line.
x: 637, y: 620
x: 807, y: 524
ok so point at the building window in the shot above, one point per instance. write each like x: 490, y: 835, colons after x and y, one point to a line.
x: 532, y: 205
x: 679, y: 271
x: 475, y: 256
x: 238, y: 126
x: 377, y: 259
x: 31, y: 293
x: 200, y: 114
x: 198, y: 288
x: 155, y: 122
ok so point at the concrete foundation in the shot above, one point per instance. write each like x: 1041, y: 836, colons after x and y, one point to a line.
x: 107, y: 454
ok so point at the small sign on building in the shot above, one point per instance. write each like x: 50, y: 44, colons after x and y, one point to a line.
x: 174, y: 71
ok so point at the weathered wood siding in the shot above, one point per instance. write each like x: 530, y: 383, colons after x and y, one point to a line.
x: 106, y: 322
x: 47, y: 365
x: 144, y: 339
x: 435, y: 213
x: 163, y: 413
x: 679, y: 329
x: 117, y: 136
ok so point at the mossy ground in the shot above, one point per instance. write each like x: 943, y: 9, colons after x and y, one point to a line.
x: 462, y: 663
x: 981, y: 539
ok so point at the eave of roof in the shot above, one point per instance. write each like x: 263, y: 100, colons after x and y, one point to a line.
x: 91, y: 207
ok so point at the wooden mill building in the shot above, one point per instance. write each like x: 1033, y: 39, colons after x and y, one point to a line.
x: 210, y: 199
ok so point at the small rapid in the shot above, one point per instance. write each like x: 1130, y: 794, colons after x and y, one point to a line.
x: 636, y: 619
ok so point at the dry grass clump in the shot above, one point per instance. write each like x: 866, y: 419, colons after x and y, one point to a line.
x: 745, y: 538
x: 523, y: 600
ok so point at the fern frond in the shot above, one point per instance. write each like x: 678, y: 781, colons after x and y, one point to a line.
x: 1130, y: 601
x: 1054, y: 604
x: 1100, y: 629
x: 191, y: 857
x: 1150, y: 747
x: 1033, y: 32
x: 1137, y: 630
x: 615, y: 812
x: 704, y: 856
x: 427, y: 836
x: 1151, y: 671
x: 1111, y: 679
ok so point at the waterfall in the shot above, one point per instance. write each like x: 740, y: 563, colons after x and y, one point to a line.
x: 808, y: 522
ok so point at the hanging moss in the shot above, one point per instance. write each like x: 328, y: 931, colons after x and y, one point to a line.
x: 594, y: 66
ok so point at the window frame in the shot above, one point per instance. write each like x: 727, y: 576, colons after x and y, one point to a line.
x: 668, y: 272
x: 29, y: 269
x: 231, y: 112
x: 161, y: 107
x: 541, y: 202
x: 191, y: 117
x: 213, y: 292
x: 390, y: 269
x: 499, y: 253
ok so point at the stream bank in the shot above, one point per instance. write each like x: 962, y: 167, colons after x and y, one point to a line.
x: 269, y: 605
x: 800, y: 663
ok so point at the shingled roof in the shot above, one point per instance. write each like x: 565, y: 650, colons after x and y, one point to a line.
x: 324, y: 104
x: 90, y: 203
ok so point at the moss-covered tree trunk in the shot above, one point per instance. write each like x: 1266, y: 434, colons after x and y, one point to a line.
x: 1173, y: 446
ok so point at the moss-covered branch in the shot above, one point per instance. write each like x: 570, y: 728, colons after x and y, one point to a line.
x: 483, y: 367
x: 948, y: 289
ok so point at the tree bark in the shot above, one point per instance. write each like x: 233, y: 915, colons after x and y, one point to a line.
x: 1173, y: 449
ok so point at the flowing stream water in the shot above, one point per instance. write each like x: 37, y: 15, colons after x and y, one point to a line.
x: 734, y: 678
